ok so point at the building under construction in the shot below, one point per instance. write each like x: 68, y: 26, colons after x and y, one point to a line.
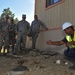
x: 54, y: 13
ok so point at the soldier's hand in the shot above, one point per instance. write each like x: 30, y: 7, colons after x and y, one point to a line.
x: 30, y: 38
x: 10, y: 30
x: 15, y: 33
x: 1, y: 34
x: 29, y: 35
x: 46, y: 28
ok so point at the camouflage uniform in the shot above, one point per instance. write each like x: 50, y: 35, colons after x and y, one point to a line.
x: 12, y: 33
x: 1, y: 36
x: 35, y: 29
x: 5, y: 33
x: 22, y: 31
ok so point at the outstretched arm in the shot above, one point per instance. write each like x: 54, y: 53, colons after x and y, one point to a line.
x: 43, y: 25
x: 56, y: 43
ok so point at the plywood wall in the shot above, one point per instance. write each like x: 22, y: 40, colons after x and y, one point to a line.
x: 54, y: 17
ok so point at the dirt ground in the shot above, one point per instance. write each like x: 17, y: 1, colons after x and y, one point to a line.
x: 37, y: 63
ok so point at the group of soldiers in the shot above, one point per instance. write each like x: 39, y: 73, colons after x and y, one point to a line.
x: 9, y: 30
x: 7, y: 34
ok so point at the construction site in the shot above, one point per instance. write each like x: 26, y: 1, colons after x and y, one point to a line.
x: 36, y: 62
x: 46, y: 59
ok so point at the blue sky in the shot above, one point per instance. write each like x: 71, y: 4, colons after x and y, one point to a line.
x: 19, y: 7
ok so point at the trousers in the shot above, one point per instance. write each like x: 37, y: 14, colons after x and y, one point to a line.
x: 70, y: 53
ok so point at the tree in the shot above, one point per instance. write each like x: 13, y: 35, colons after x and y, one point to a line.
x: 16, y: 20
x: 7, y: 12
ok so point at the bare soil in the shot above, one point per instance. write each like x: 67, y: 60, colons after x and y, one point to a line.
x: 37, y: 63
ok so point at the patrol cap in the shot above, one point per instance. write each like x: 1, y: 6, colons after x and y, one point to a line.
x: 66, y: 25
x: 23, y: 15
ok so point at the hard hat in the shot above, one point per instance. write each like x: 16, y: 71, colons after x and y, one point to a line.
x: 66, y: 25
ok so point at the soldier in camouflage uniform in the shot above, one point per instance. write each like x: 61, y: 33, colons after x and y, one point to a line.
x: 12, y: 33
x: 22, y: 32
x: 1, y: 37
x: 5, y: 33
x: 35, y: 29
